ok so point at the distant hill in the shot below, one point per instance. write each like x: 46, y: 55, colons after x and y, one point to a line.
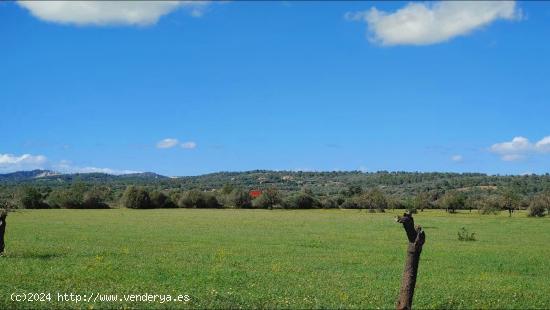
x: 145, y: 175
x: 26, y: 175
x: 329, y: 182
x: 48, y: 175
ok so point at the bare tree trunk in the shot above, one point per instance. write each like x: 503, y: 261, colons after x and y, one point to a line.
x: 3, y: 215
x: 416, y: 238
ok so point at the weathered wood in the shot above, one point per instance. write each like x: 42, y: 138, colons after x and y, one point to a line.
x: 3, y: 215
x: 416, y: 238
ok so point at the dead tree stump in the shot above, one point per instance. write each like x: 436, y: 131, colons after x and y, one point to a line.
x: 416, y: 238
x: 3, y: 215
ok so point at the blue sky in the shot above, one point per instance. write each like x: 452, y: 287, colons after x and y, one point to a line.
x: 276, y: 85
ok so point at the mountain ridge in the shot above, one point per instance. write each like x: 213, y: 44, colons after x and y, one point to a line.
x: 28, y: 175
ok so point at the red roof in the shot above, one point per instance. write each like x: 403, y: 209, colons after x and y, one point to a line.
x: 255, y: 193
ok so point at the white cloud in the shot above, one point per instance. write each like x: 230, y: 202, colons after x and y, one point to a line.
x: 429, y: 23
x: 65, y: 166
x: 167, y: 143
x: 457, y: 158
x: 517, y: 145
x: 102, y: 13
x: 10, y: 162
x: 189, y: 145
x: 520, y: 147
x: 512, y: 157
x: 543, y: 145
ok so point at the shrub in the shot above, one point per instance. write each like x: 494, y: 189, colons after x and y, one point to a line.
x: 136, y: 198
x: 340, y: 200
x: 161, y: 200
x: 421, y: 201
x: 510, y: 200
x: 452, y: 200
x: 6, y: 204
x: 95, y: 198
x: 465, y: 235
x: 59, y: 198
x: 268, y: 199
x: 374, y: 199
x: 329, y: 203
x: 489, y: 205
x: 193, y: 199
x: 352, y: 190
x: 175, y: 197
x: 301, y: 200
x: 538, y: 206
x: 239, y: 198
x: 349, y: 203
x: 211, y: 202
x: 77, y: 197
x: 30, y: 198
x: 396, y: 203
x: 92, y: 200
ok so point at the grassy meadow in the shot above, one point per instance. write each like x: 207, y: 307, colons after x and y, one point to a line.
x: 273, y: 259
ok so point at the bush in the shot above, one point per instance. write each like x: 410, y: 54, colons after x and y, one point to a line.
x: 197, y: 199
x: 193, y: 199
x: 489, y: 205
x: 349, y: 203
x: 268, y: 199
x: 239, y: 198
x: 30, y: 198
x: 59, y: 198
x: 76, y: 197
x: 421, y: 201
x: 160, y: 200
x: 136, y: 198
x: 452, y: 200
x: 465, y: 235
x: 175, y: 197
x: 211, y: 202
x: 95, y: 198
x: 6, y: 204
x: 301, y: 200
x: 329, y: 203
x: 396, y: 203
x: 374, y: 199
x: 510, y: 200
x: 538, y: 206
x: 93, y: 201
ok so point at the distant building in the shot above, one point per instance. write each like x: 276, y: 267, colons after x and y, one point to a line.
x: 255, y: 193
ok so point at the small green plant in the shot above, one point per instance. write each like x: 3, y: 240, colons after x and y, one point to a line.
x: 465, y: 235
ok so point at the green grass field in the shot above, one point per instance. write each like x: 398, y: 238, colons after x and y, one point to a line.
x: 273, y: 259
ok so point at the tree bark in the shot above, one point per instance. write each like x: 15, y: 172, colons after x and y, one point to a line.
x: 416, y: 238
x: 3, y: 216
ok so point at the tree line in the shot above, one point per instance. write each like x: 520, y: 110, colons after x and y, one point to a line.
x: 80, y: 195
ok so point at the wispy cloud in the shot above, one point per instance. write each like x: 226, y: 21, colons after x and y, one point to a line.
x: 189, y: 145
x: 167, y: 143
x: 429, y: 23
x: 519, y: 148
x: 457, y: 158
x: 103, y: 13
x: 10, y: 162
x: 172, y: 142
